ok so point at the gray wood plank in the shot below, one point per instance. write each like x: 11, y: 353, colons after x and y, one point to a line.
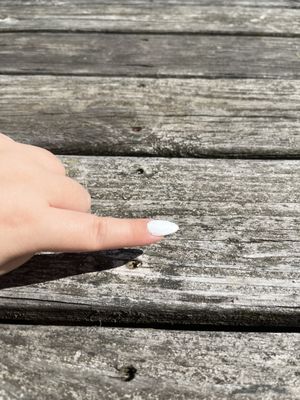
x: 156, y: 117
x: 150, y: 55
x: 235, y: 260
x: 258, y: 18
x: 293, y: 4
x: 88, y: 363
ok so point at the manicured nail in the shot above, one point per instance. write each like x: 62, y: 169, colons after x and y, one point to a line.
x: 161, y: 228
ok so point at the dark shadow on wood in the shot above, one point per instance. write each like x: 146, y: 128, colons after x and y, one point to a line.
x: 49, y: 267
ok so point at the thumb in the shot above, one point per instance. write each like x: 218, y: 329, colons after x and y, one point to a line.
x: 66, y: 230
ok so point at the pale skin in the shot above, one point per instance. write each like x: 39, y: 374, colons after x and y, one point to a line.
x: 42, y: 209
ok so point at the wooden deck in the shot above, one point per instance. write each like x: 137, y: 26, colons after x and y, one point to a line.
x: 186, y: 110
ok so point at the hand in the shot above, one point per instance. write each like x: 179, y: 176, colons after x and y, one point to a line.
x: 41, y: 209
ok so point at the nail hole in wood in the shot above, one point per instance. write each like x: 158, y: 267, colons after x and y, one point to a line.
x: 137, y: 128
x: 127, y: 372
x: 134, y: 264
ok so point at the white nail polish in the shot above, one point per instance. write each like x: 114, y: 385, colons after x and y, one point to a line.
x: 161, y: 228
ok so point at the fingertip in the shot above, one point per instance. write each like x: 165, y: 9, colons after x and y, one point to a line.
x: 161, y: 228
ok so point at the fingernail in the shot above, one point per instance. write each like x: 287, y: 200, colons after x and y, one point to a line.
x: 161, y: 228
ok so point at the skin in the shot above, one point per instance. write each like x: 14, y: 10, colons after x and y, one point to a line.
x: 42, y: 209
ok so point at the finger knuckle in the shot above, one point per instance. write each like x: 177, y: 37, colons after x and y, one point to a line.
x: 56, y: 163
x: 83, y: 193
x: 88, y: 201
x: 6, y: 142
x: 5, y: 138
x: 98, y: 232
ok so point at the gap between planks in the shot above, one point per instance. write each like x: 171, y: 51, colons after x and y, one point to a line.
x: 162, y: 33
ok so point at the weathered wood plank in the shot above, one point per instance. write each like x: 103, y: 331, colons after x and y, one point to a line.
x: 157, y: 117
x: 76, y: 363
x: 150, y: 55
x: 235, y: 260
x: 293, y: 4
x: 264, y: 18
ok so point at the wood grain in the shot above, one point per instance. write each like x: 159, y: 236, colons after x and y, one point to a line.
x: 238, y: 17
x: 150, y: 55
x: 153, y: 117
x: 76, y: 363
x: 235, y: 260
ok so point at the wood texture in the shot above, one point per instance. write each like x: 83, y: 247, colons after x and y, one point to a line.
x: 235, y: 260
x: 89, y: 363
x: 151, y: 55
x: 153, y: 117
x: 238, y: 17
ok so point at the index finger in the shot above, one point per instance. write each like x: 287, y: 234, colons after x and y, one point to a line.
x: 67, y: 230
